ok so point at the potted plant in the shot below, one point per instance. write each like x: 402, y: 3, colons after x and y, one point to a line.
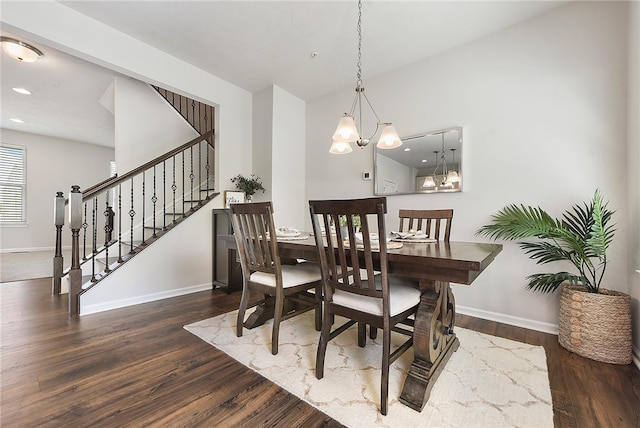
x: 343, y: 224
x: 248, y: 185
x: 594, y: 322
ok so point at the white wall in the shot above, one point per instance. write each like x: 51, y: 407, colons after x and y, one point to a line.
x: 288, y: 163
x: 549, y: 96
x: 52, y: 166
x: 633, y: 168
x: 278, y: 154
x: 262, y: 142
x: 403, y: 176
x: 146, y: 126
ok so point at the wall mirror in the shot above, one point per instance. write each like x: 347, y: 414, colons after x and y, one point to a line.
x: 424, y: 163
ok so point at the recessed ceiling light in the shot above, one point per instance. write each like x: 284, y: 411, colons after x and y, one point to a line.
x: 22, y: 91
x: 16, y: 120
x: 407, y: 149
x: 424, y: 160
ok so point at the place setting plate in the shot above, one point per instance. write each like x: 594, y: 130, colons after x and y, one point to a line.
x: 290, y: 234
x: 412, y: 237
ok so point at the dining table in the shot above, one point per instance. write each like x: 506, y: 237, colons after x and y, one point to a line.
x: 431, y: 266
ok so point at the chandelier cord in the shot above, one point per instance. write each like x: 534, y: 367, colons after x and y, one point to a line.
x: 360, y: 89
x: 443, y: 158
x: 359, y: 27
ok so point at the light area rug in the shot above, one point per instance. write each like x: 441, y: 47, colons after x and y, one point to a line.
x: 488, y: 382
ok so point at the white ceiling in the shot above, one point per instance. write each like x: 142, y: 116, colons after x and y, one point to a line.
x: 252, y: 44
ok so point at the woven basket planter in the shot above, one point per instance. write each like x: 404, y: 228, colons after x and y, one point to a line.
x: 596, y: 326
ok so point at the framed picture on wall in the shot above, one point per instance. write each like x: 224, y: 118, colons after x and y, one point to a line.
x: 233, y: 197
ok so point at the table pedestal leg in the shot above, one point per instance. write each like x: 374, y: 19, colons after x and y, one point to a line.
x: 265, y: 310
x: 433, y: 342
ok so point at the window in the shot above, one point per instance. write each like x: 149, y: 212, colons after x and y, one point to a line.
x: 13, y: 182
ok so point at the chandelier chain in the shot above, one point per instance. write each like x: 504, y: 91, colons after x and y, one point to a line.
x: 359, y: 43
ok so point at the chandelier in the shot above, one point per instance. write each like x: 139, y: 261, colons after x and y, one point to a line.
x: 347, y: 130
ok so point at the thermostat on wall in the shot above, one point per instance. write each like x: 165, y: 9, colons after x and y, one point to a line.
x: 366, y: 175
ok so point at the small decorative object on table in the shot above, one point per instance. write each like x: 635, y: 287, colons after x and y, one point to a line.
x: 248, y: 185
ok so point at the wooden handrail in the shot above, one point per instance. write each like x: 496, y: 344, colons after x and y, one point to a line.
x: 113, y: 181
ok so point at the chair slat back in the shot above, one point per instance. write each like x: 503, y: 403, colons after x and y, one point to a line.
x: 347, y: 260
x: 436, y: 224
x: 255, y: 234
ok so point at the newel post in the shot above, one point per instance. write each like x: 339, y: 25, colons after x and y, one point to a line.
x: 75, y: 275
x: 58, y: 215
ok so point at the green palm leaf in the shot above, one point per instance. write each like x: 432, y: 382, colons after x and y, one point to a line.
x: 581, y: 237
x: 517, y: 222
x: 549, y: 282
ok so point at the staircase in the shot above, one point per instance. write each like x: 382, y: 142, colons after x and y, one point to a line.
x: 113, y: 221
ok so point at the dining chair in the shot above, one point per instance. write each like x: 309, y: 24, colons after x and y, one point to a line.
x: 285, y: 286
x: 346, y: 290
x: 436, y: 224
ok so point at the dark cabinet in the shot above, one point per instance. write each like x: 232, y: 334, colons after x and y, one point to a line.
x: 226, y: 265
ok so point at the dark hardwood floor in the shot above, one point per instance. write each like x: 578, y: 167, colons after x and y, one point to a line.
x: 138, y: 367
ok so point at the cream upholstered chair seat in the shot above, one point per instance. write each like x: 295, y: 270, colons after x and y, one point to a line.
x: 401, y: 298
x: 292, y: 275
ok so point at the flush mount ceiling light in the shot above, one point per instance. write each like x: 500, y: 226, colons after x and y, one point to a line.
x: 20, y: 50
x: 347, y: 130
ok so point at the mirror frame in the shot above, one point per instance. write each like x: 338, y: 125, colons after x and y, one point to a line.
x: 428, y: 155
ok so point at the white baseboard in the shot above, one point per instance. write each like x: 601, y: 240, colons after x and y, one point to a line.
x: 115, y: 304
x: 508, y: 319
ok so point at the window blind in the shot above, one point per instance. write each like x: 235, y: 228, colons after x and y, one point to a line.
x: 12, y: 184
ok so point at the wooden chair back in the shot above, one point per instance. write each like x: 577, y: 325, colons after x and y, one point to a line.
x: 342, y: 265
x: 252, y: 225
x: 436, y: 224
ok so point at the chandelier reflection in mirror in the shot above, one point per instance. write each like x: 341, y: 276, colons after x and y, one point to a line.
x: 347, y: 131
x: 449, y: 178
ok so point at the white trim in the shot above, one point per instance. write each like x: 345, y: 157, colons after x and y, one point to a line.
x: 509, y: 319
x: 92, y: 309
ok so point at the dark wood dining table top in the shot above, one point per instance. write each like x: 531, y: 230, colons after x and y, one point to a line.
x: 454, y: 261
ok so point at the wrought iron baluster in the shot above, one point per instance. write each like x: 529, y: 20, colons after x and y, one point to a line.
x: 84, y: 233
x: 206, y: 144
x: 120, y: 223
x: 154, y: 199
x: 164, y: 195
x: 200, y: 171
x: 94, y: 232
x: 174, y: 187
x: 184, y: 214
x: 132, y: 213
x: 144, y: 204
x: 191, y: 177
x: 108, y: 228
